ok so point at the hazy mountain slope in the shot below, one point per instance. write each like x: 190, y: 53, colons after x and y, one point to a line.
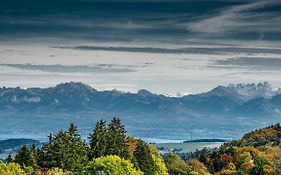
x: 221, y: 112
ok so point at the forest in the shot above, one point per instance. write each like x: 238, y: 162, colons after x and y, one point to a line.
x: 109, y: 151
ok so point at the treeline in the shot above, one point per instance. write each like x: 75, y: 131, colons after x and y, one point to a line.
x: 111, y: 152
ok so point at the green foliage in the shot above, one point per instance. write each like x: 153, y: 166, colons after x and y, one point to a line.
x: 29, y: 170
x: 109, y: 141
x: 269, y: 136
x: 25, y: 157
x: 56, y: 171
x: 158, y: 162
x: 98, y: 140
x: 65, y: 150
x: 176, y: 166
x: 11, y: 169
x: 144, y: 158
x: 111, y: 152
x: 110, y: 165
x: 147, y: 158
x: 255, y: 154
x: 116, y: 139
x: 197, y: 167
x: 9, y: 159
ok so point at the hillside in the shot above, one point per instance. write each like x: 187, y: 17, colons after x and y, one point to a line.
x: 15, y: 144
x: 110, y: 151
x: 256, y: 153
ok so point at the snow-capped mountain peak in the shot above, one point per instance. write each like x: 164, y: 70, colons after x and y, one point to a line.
x: 251, y: 91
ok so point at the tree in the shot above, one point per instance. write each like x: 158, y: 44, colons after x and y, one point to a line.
x: 176, y: 166
x: 110, y: 165
x: 76, y: 150
x: 258, y: 167
x: 117, y: 144
x: 25, y: 157
x: 9, y: 159
x: 98, y: 141
x: 160, y: 167
x: 197, y: 167
x: 144, y: 158
x: 65, y: 150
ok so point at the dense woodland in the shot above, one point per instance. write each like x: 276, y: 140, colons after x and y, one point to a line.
x: 111, y: 152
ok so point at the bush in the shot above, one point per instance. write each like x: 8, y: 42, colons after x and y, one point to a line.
x: 110, y: 165
x: 11, y: 169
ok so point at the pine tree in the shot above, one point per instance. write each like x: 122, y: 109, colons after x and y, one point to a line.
x: 117, y: 144
x: 65, y: 150
x: 144, y: 158
x: 9, y: 159
x: 98, y: 140
x: 76, y: 151
x: 73, y: 131
x: 25, y: 157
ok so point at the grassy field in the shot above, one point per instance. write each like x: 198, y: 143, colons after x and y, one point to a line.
x: 185, y: 147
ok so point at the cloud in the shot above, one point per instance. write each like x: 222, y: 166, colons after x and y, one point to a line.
x: 191, y: 50
x: 57, y: 68
x: 250, y: 17
x: 249, y: 63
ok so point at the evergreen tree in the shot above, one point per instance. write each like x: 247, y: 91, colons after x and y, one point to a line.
x: 25, y: 157
x: 98, y: 141
x: 73, y: 131
x: 65, y: 150
x: 144, y: 158
x: 9, y: 159
x: 76, y: 151
x: 117, y: 144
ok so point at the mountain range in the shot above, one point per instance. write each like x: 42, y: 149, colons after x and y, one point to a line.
x: 223, y: 112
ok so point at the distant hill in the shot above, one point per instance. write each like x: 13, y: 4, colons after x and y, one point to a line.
x: 223, y: 112
x: 256, y: 153
x: 269, y: 136
x: 11, y: 145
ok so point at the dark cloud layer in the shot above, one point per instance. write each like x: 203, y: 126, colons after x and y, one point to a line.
x: 250, y: 63
x: 141, y: 20
x: 192, y: 50
x: 97, y: 68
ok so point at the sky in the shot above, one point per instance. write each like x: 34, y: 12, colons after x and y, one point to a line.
x: 168, y: 47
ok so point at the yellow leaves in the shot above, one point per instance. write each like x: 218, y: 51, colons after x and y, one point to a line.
x: 56, y: 171
x: 260, y: 137
x: 241, y: 158
x: 197, y: 167
x: 230, y: 169
x: 269, y: 170
x: 11, y: 169
x: 53, y: 171
x: 230, y: 166
x: 246, y: 166
x: 159, y: 165
x: 112, y: 164
x: 226, y: 172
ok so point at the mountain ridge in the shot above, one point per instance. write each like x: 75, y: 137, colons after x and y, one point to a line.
x: 47, y: 109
